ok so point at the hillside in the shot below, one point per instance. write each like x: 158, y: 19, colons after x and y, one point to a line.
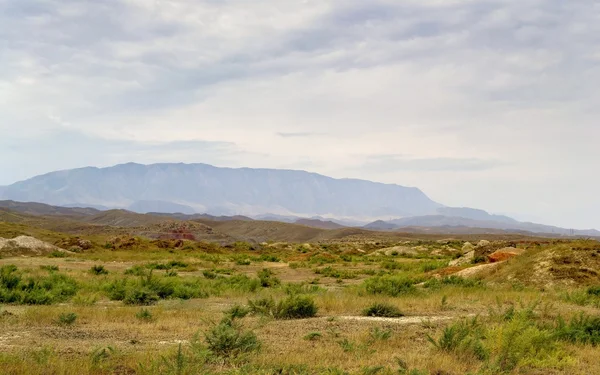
x: 221, y: 191
x: 35, y: 208
x: 315, y: 223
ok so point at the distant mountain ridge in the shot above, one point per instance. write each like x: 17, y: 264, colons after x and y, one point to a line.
x: 205, y: 192
x: 202, y: 188
x: 490, y: 222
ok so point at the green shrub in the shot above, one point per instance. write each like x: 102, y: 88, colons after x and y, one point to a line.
x: 145, y: 315
x: 390, y: 285
x: 229, y: 340
x: 268, y: 258
x: 581, y: 329
x: 209, y: 274
x: 463, y: 338
x: 39, y: 290
x: 262, y: 306
x: 382, y: 310
x: 295, y: 307
x: 57, y: 254
x: 237, y: 312
x: 520, y: 342
x: 98, y: 270
x: 141, y: 296
x: 267, y: 278
x: 66, y: 319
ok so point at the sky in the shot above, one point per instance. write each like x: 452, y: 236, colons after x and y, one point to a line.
x: 492, y: 104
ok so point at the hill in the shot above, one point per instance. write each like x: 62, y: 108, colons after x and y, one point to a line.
x: 34, y: 208
x: 221, y: 191
x: 315, y: 223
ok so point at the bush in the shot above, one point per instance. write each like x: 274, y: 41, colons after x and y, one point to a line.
x: 66, y: 319
x: 295, y: 307
x: 144, y: 314
x: 389, y: 285
x: 262, y: 306
x: 228, y: 340
x: 267, y: 278
x: 520, y: 342
x: 141, y: 296
x: 462, y: 338
x: 237, y: 312
x: 98, y: 270
x: 45, y: 290
x: 581, y: 329
x: 382, y: 310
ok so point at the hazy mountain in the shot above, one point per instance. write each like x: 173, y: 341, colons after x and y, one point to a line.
x: 493, y: 222
x: 222, y: 191
x: 144, y: 207
x: 472, y: 213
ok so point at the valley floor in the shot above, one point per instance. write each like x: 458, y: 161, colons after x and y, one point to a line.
x: 280, y: 308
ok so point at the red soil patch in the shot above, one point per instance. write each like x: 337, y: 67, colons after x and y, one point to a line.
x: 500, y: 256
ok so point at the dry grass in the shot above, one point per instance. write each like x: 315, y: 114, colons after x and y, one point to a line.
x: 108, y: 337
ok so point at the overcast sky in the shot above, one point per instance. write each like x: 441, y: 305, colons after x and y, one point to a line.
x: 487, y: 104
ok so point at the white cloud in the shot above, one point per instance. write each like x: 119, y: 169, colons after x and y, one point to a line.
x: 496, y: 98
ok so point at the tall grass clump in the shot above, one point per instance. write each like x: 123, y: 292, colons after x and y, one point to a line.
x: 228, y: 340
x: 453, y: 280
x: 383, y: 310
x: 15, y: 287
x: 292, y: 307
x: 581, y: 329
x: 267, y: 278
x: 389, y: 285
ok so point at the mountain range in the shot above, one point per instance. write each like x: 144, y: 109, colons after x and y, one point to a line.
x: 202, y: 188
x: 201, y: 191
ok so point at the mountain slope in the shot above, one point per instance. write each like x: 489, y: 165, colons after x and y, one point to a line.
x: 222, y: 191
x: 502, y: 223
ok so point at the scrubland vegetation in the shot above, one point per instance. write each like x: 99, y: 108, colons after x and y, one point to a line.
x: 345, y: 307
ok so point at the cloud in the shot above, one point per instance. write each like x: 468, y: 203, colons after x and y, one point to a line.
x: 496, y: 98
x: 66, y: 149
x: 298, y: 134
x: 389, y: 163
